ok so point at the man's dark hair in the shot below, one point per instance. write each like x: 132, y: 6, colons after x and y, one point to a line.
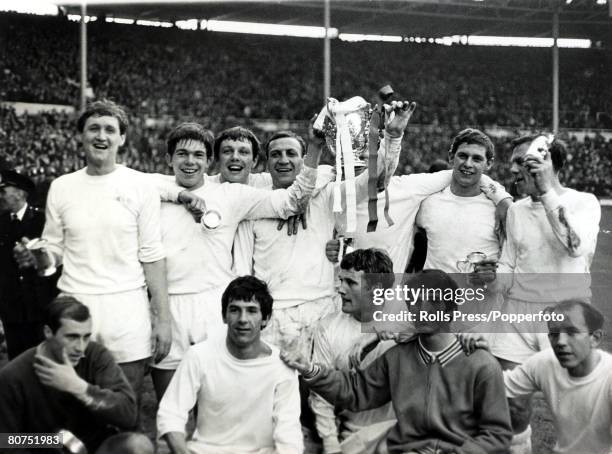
x: 285, y: 135
x: 472, y: 136
x: 435, y: 281
x: 65, y: 307
x: 373, y: 262
x: 248, y: 288
x: 190, y: 131
x: 237, y: 133
x: 104, y: 108
x: 558, y: 149
x: 593, y: 318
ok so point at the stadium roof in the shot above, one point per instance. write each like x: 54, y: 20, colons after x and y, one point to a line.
x: 431, y: 18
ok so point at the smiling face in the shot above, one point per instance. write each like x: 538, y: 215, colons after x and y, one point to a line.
x: 469, y: 163
x: 523, y: 180
x: 101, y: 139
x: 72, y: 337
x: 236, y: 160
x: 189, y: 163
x: 244, y: 323
x: 285, y: 161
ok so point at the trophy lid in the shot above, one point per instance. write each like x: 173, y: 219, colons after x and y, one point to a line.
x: 356, y: 113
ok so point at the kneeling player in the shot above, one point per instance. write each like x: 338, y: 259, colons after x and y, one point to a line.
x: 247, y: 399
x: 443, y: 399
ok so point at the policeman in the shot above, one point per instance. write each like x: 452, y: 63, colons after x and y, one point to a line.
x: 23, y: 292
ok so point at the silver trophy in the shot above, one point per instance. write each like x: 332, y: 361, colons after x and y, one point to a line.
x: 353, y: 114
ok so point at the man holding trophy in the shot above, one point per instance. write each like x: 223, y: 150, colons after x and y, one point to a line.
x: 301, y: 282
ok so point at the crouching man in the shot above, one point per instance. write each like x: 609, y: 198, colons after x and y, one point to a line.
x: 444, y: 400
x: 575, y: 377
x: 67, y: 382
x: 247, y: 399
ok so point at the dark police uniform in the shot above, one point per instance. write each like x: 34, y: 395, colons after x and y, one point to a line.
x: 23, y: 293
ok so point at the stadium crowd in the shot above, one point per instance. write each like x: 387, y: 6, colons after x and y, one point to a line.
x: 44, y: 147
x: 210, y: 76
x: 164, y: 74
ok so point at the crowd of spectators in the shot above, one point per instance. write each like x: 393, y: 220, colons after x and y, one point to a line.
x: 588, y: 166
x: 44, y: 146
x: 158, y: 72
x: 169, y: 75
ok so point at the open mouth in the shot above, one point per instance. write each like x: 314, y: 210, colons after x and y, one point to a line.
x: 235, y: 168
x: 189, y: 171
x: 283, y: 170
x: 100, y: 146
x: 466, y: 172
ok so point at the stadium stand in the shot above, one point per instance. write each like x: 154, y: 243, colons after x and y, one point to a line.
x: 169, y: 75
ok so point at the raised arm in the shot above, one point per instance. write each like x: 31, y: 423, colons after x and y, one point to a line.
x: 399, y: 113
x: 576, y: 229
x: 282, y: 203
x: 109, y: 396
x: 388, y: 158
x: 169, y: 191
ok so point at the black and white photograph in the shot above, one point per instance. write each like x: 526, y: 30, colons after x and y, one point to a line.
x: 306, y: 226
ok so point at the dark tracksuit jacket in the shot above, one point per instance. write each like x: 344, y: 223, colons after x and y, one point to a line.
x: 454, y: 403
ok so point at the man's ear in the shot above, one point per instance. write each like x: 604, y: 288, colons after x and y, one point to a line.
x: 375, y: 285
x: 122, y: 142
x: 596, y: 338
x: 47, y: 332
x: 265, y: 321
x: 255, y: 161
x: 169, y: 159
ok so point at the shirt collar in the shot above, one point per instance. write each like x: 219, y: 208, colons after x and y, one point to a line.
x: 443, y: 357
x: 21, y: 212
